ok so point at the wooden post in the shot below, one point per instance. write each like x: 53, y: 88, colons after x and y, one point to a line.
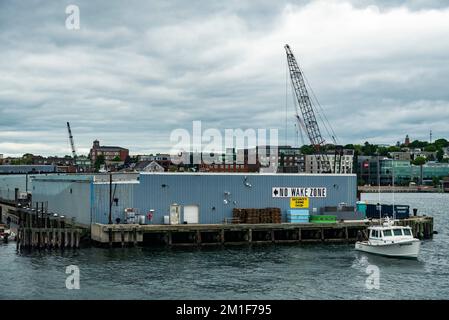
x: 272, y: 236
x: 66, y: 238
x: 77, y: 236
x: 47, y: 239
x: 122, y: 233
x: 41, y: 238
x: 28, y: 237
x: 53, y: 240
x: 59, y: 238
x: 72, y: 236
x: 33, y: 238
x: 222, y: 236
x: 169, y: 238
x: 322, y: 234
x: 198, y: 237
x: 346, y: 234
x: 18, y: 240
x: 250, y: 235
x: 110, y: 237
x: 135, y: 236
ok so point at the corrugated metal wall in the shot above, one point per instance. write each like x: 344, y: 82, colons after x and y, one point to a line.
x: 158, y: 191
x: 122, y: 191
x: 66, y: 195
x: 9, y: 182
x: 78, y: 196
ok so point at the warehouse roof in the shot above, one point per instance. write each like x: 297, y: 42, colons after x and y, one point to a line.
x: 246, y: 174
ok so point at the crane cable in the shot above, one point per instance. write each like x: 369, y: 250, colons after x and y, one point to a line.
x: 321, y: 111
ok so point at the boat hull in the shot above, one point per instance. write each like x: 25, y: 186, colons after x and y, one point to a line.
x: 405, y: 249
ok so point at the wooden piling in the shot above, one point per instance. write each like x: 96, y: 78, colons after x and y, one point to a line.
x: 72, y: 242
x: 110, y: 237
x: 198, y: 237
x: 77, y: 236
x: 66, y: 238
x: 170, y: 240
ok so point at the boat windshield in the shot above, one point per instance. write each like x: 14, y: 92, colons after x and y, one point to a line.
x: 407, y: 232
x: 397, y: 232
x: 387, y: 233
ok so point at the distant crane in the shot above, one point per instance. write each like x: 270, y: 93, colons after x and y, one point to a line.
x: 72, y: 144
x: 308, y: 115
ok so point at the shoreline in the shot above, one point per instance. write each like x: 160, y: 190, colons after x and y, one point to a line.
x: 389, y: 189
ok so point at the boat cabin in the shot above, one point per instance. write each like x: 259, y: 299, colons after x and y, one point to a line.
x: 390, y: 233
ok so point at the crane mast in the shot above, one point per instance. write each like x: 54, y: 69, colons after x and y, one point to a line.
x: 308, y: 114
x: 72, y: 144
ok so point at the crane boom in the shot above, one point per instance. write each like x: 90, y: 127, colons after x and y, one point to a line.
x: 72, y: 144
x: 306, y: 109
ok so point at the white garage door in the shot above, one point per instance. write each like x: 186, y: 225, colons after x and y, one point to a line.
x: 191, y: 214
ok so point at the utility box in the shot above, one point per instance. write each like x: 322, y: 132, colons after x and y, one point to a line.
x: 131, y: 215
x: 175, y: 211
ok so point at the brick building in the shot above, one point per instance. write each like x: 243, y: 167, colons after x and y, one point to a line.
x: 110, y: 153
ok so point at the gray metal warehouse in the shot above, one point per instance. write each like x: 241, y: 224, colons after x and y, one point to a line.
x: 213, y: 196
x: 205, y: 198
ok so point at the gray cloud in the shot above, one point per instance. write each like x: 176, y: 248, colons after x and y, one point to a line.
x: 135, y: 71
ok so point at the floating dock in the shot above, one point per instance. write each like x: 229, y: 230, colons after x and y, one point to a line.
x: 238, y: 234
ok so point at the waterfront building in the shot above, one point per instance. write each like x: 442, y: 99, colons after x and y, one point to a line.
x: 25, y: 169
x: 399, y: 172
x: 339, y: 163
x: 110, y: 153
x: 208, y: 198
x: 401, y: 155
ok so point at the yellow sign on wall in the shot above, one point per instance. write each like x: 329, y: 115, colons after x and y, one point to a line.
x: 299, y: 202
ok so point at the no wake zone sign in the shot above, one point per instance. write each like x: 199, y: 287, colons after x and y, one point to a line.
x: 288, y: 192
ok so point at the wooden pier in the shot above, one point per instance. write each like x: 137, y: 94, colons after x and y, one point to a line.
x: 238, y: 234
x: 36, y: 228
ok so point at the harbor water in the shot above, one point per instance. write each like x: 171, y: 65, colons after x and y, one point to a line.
x: 312, y: 271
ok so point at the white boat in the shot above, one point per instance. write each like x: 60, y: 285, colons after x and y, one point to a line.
x: 391, y: 241
x: 6, y: 234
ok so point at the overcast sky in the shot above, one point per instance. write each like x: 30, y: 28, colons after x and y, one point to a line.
x: 136, y: 70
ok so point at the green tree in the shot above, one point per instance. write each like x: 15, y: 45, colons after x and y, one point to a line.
x: 27, y: 158
x: 418, y: 144
x: 117, y: 158
x: 440, y: 154
x: 441, y: 143
x: 394, y: 149
x: 430, y: 148
x: 419, y: 161
x: 382, y: 151
x: 99, y: 162
x: 369, y: 149
x: 436, y: 181
x: 357, y: 149
x: 307, y: 149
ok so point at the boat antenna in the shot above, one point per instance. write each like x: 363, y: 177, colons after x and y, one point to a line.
x: 378, y: 189
x: 392, y: 182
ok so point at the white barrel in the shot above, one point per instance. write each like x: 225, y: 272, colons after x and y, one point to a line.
x: 142, y: 219
x: 166, y: 219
